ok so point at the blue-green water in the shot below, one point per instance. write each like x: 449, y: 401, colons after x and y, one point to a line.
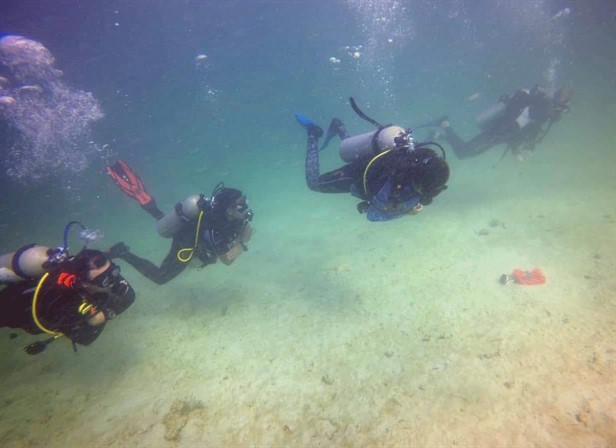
x: 330, y: 330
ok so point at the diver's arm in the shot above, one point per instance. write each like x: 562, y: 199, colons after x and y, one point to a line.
x: 170, y: 268
x: 237, y: 248
x: 67, y: 312
x: 377, y: 213
x: 382, y: 207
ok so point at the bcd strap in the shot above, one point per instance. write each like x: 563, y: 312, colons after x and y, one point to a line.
x: 180, y: 212
x: 15, y: 262
x: 374, y: 143
x: 365, y: 176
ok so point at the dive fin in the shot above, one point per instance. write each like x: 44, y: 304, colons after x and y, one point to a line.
x: 310, y: 126
x: 305, y: 122
x: 129, y: 182
x: 332, y: 131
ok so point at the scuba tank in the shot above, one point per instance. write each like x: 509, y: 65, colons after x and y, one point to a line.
x: 26, y: 262
x: 388, y: 139
x: 370, y: 143
x: 32, y: 261
x: 375, y: 142
x: 184, y: 211
x: 485, y: 119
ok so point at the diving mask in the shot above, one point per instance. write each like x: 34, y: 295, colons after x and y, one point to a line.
x: 109, y: 277
x: 241, y: 211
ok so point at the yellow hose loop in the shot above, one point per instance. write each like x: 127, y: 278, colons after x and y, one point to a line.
x: 368, y: 167
x: 186, y: 259
x: 191, y: 250
x: 38, y: 323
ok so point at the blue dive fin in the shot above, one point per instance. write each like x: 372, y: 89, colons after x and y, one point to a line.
x: 311, y: 127
x: 305, y: 122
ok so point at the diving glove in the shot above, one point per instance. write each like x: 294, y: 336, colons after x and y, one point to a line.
x: 117, y: 250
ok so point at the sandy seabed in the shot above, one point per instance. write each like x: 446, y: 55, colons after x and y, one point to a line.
x: 332, y: 331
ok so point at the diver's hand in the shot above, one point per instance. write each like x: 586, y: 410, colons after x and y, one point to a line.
x: 415, y: 210
x: 97, y: 319
x: 231, y: 255
x: 246, y: 234
x: 117, y: 250
x: 519, y: 156
x: 363, y: 206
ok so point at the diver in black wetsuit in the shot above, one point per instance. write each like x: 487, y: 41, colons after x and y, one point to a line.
x: 520, y: 120
x: 392, y: 175
x: 210, y: 228
x: 75, y: 298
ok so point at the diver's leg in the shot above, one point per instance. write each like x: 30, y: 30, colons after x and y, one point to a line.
x: 312, y: 159
x: 336, y: 127
x: 16, y: 306
x: 461, y: 148
x: 475, y: 146
x: 153, y: 209
x: 170, y: 268
x: 481, y: 143
x: 339, y: 180
x: 340, y: 128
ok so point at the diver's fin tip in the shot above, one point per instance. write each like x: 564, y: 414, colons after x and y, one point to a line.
x: 304, y: 121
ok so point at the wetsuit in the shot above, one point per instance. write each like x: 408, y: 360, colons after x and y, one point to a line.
x: 521, y: 123
x: 384, y: 198
x: 216, y: 237
x: 60, y: 308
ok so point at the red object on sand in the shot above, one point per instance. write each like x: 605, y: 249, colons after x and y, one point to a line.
x: 534, y: 277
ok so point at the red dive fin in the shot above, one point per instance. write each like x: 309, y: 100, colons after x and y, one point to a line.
x: 129, y: 182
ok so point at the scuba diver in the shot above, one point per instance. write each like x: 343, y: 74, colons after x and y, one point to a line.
x: 211, y: 228
x: 521, y: 120
x: 391, y: 174
x: 48, y: 291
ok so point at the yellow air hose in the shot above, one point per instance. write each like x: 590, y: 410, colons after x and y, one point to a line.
x: 190, y: 250
x: 368, y: 167
x: 38, y: 323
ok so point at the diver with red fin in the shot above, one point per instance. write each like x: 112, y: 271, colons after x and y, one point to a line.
x: 210, y: 228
